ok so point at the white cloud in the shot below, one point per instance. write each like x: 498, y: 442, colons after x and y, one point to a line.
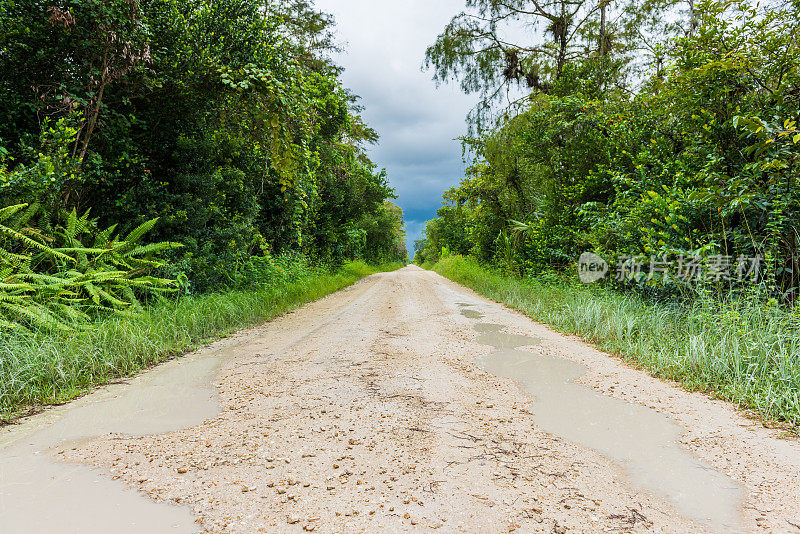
x: 418, y: 123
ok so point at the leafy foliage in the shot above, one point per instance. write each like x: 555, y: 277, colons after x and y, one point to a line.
x: 513, y: 51
x: 225, y: 120
x: 702, y: 159
x: 63, y: 281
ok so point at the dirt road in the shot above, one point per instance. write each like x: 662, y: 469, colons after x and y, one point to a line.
x: 407, y: 403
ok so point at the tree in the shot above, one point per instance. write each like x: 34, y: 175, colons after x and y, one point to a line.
x: 225, y: 120
x: 497, y: 44
x: 701, y: 161
x: 310, y: 30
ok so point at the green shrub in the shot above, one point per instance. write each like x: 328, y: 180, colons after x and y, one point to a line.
x: 63, y: 281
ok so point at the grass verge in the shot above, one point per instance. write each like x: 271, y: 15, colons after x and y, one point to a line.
x: 741, y: 349
x: 51, y: 368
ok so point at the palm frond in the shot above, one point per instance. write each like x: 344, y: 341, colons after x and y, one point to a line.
x: 58, y: 282
x: 140, y: 231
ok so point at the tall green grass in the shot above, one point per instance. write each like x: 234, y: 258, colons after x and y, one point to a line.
x: 52, y: 367
x: 739, y: 348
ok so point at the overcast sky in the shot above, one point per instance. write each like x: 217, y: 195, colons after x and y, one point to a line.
x: 385, y: 44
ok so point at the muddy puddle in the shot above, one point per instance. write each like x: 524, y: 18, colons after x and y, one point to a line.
x: 469, y: 313
x: 41, y: 495
x: 644, y: 442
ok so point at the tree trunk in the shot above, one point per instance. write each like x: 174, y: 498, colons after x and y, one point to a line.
x: 93, y: 117
x: 602, y: 47
x: 562, y: 38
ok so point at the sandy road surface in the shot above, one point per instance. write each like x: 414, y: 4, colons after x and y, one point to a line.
x: 372, y: 411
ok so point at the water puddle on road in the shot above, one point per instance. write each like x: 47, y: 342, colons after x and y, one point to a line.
x: 40, y: 495
x: 470, y: 314
x: 642, y: 441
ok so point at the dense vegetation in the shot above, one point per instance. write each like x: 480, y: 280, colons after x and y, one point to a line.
x: 691, y: 149
x: 154, y: 150
x: 223, y: 121
x: 660, y: 135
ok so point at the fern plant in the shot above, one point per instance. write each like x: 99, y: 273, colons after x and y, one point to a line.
x: 64, y: 280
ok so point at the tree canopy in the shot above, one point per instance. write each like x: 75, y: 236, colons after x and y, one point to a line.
x: 698, y: 158
x: 225, y: 120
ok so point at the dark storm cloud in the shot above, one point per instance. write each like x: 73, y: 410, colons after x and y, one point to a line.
x: 418, y: 123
